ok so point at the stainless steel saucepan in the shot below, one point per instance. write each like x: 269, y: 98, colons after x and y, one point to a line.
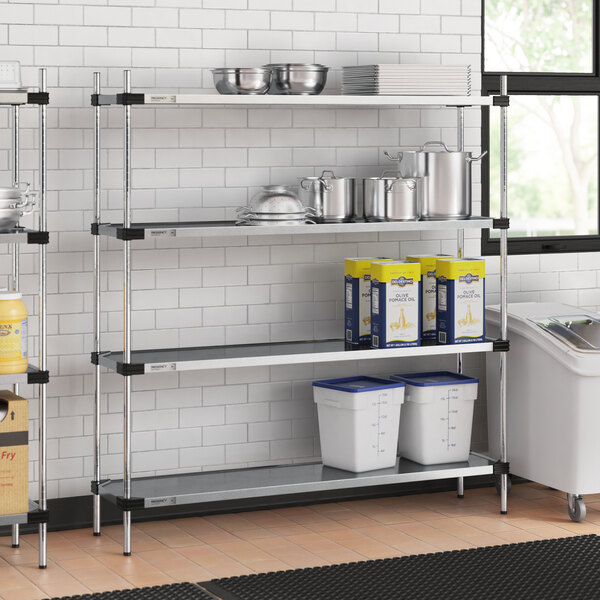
x: 392, y: 198
x: 333, y: 198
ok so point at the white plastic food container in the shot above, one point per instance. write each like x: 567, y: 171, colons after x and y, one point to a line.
x: 437, y: 418
x: 358, y: 422
x: 553, y: 399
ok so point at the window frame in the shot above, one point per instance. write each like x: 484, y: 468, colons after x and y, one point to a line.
x: 538, y: 84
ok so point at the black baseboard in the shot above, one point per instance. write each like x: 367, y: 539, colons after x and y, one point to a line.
x: 76, y: 512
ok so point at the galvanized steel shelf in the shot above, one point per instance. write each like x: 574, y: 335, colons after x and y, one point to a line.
x: 23, y: 97
x: 140, y: 231
x: 35, y: 515
x: 21, y: 235
x: 269, y: 354
x: 259, y: 482
x: 33, y: 375
x: 131, y: 494
x: 332, y: 100
x: 14, y: 100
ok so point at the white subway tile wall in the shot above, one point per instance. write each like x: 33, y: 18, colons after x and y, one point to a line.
x: 200, y: 163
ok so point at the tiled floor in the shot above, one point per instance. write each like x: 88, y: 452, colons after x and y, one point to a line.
x: 197, y: 549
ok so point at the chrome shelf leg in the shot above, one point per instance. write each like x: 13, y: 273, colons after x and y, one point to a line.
x: 503, y: 291
x: 97, y: 313
x: 127, y: 321
x: 43, y: 351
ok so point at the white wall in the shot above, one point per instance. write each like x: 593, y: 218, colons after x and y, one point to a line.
x: 200, y: 163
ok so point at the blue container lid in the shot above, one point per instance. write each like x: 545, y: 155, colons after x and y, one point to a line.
x: 358, y: 384
x: 434, y: 378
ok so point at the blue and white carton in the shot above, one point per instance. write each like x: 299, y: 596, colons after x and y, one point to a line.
x: 395, y: 304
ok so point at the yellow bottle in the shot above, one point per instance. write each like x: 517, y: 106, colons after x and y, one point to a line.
x: 13, y: 333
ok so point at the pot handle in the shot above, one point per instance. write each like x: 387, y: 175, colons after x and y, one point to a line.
x: 329, y: 173
x: 389, y: 172
x: 411, y: 184
x: 326, y: 187
x: 435, y: 144
x: 398, y: 158
x: 471, y: 159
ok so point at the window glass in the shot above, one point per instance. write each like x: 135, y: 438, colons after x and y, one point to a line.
x: 552, y: 165
x: 532, y: 36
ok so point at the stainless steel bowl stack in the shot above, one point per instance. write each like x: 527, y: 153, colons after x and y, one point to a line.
x: 297, y: 78
x: 275, y: 205
x: 15, y: 203
x: 252, y: 81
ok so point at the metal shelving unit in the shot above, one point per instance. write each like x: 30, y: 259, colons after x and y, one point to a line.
x: 14, y: 100
x: 134, y: 494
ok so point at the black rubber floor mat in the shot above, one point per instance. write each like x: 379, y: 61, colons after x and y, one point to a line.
x: 175, y: 591
x: 560, y: 569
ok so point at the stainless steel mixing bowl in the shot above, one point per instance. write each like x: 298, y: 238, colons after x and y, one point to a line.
x: 242, y: 80
x: 297, y: 78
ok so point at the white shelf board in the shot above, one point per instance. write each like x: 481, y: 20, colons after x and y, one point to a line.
x: 228, y: 228
x: 269, y: 354
x: 321, y: 100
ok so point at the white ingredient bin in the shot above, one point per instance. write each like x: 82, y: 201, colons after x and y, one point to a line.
x: 552, y: 398
x: 358, y: 422
x: 437, y: 418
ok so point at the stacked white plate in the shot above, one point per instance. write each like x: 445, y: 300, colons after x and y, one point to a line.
x: 407, y: 80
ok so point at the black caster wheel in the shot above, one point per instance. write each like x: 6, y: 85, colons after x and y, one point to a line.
x: 577, y: 509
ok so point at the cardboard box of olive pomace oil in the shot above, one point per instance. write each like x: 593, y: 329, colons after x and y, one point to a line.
x: 14, y: 454
x: 395, y: 304
x: 460, y: 301
x: 357, y: 314
x: 428, y: 290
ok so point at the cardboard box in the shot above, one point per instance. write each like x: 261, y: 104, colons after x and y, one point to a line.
x: 14, y: 454
x: 395, y: 304
x: 357, y: 278
x: 460, y: 300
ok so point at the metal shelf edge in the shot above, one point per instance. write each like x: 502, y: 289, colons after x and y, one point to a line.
x: 112, y: 360
x: 34, y: 515
x: 332, y: 100
x: 228, y: 228
x: 282, y: 481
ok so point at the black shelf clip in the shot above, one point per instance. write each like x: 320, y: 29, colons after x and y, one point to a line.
x: 36, y: 377
x: 501, y: 101
x: 38, y: 516
x: 95, y: 229
x: 501, y: 468
x: 38, y: 98
x: 38, y: 237
x: 128, y: 504
x: 95, y: 358
x: 128, y: 369
x: 501, y: 345
x: 502, y: 223
x: 128, y: 234
x: 127, y: 99
x: 96, y: 485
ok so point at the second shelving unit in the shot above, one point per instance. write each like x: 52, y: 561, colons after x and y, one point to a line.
x: 37, y: 375
x: 140, y: 493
